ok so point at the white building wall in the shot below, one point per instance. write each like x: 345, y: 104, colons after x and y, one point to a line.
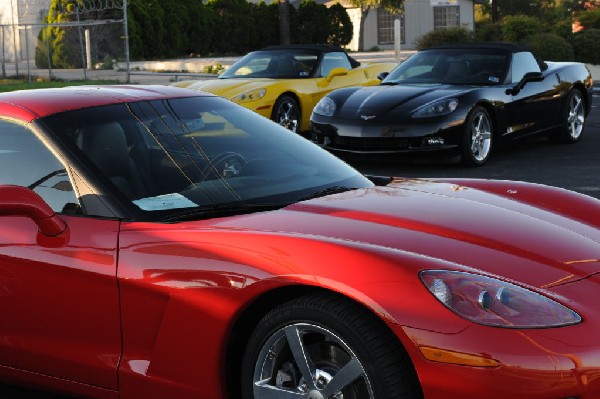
x: 418, y: 21
x: 9, y: 38
x: 14, y: 38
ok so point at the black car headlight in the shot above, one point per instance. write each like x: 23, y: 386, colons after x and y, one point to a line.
x: 325, y: 107
x: 494, y: 302
x: 437, y: 108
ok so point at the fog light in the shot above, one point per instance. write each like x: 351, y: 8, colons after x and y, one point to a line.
x: 434, y: 141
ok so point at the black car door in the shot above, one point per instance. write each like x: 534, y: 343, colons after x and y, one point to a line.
x: 535, y: 105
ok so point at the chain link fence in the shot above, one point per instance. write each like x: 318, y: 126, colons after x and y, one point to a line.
x: 79, y: 39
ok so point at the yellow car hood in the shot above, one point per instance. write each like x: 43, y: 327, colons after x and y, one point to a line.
x: 231, y: 87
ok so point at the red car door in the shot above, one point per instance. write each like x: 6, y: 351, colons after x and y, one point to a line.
x: 59, y: 306
x: 59, y: 303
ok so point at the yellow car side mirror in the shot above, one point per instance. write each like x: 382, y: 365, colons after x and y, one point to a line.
x: 332, y: 74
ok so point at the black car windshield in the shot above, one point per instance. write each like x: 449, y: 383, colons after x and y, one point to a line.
x: 197, y: 154
x: 464, y: 66
x: 274, y: 64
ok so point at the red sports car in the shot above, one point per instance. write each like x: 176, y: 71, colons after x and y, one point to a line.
x: 158, y: 242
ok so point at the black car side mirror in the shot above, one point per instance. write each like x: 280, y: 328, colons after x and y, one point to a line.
x: 21, y: 201
x: 382, y: 75
x: 529, y: 77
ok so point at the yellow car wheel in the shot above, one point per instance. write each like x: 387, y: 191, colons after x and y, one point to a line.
x: 286, y: 112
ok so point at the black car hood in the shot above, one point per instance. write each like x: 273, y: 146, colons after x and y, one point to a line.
x: 379, y: 100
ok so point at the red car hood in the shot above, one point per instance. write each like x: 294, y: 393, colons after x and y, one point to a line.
x: 473, y: 228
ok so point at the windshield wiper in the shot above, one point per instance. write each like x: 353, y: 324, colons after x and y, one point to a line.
x: 388, y: 83
x: 327, y: 191
x: 220, y: 210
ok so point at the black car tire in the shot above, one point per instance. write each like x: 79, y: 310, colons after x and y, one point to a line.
x: 286, y: 112
x: 339, y: 339
x: 477, y: 139
x: 572, y: 120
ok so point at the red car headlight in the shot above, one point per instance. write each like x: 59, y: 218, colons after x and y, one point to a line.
x: 496, y: 303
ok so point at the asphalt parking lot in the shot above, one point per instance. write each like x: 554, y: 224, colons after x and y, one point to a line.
x: 575, y: 167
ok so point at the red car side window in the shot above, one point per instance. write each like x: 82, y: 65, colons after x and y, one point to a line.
x: 26, y: 161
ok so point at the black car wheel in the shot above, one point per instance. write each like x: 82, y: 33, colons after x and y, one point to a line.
x: 573, y: 119
x: 476, y: 145
x: 323, y: 346
x: 286, y: 112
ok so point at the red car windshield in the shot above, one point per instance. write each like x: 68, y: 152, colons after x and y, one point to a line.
x: 198, y: 153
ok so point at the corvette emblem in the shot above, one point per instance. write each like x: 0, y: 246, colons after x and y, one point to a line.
x: 367, y: 117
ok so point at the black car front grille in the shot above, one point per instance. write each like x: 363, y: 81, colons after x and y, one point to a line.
x: 370, y: 143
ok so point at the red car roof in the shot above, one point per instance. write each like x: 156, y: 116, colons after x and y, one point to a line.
x: 28, y: 105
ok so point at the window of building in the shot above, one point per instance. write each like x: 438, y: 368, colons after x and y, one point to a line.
x: 446, y: 17
x: 385, y: 26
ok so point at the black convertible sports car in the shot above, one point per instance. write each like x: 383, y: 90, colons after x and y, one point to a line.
x: 460, y: 98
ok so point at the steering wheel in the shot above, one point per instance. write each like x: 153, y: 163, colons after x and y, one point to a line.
x: 227, y: 164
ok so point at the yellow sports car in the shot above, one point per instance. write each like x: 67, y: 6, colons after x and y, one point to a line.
x: 284, y: 83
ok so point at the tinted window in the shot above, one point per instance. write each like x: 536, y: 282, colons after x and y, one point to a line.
x: 467, y: 66
x: 334, y: 60
x: 523, y: 63
x: 26, y: 161
x: 276, y: 64
x: 200, y: 152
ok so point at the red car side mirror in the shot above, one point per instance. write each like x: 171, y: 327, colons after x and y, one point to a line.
x: 21, y: 201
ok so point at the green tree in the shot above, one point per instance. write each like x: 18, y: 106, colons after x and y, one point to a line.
x: 456, y: 34
x: 340, y: 26
x: 266, y: 19
x: 503, y: 8
x: 202, y: 22
x: 234, y: 30
x: 146, y: 29
x: 394, y: 6
x: 64, y: 43
x: 314, y: 22
x: 516, y: 28
x: 586, y: 45
x: 550, y: 47
x: 589, y: 19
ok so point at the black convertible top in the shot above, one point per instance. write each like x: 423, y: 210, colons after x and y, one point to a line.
x: 510, y: 47
x: 321, y: 48
x: 325, y: 48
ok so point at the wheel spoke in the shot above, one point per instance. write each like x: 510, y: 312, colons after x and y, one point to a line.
x: 265, y: 391
x: 479, y: 123
x: 346, y: 376
x: 576, y: 105
x: 304, y: 363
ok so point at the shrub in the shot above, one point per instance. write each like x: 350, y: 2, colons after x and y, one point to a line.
x: 589, y: 19
x: 314, y: 22
x: 443, y: 36
x: 550, y: 47
x: 563, y: 28
x: 586, y: 45
x: 488, y: 31
x: 340, y: 26
x: 516, y: 28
